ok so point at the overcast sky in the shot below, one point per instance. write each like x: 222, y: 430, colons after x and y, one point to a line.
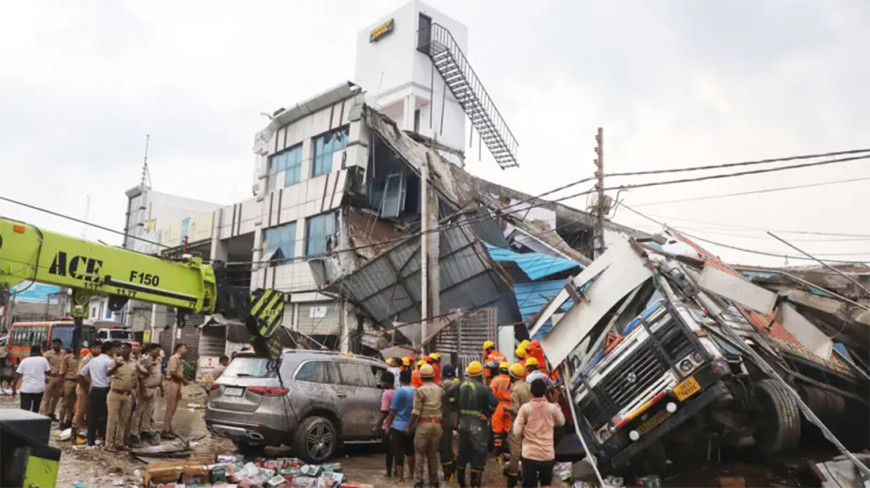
x: 673, y: 83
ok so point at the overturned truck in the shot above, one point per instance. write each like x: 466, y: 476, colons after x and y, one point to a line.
x: 669, y: 352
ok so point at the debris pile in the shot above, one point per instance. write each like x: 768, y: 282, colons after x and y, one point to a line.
x: 232, y: 471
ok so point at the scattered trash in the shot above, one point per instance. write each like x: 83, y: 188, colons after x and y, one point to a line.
x: 650, y: 481
x: 65, y: 435
x: 562, y: 471
x: 195, y: 406
x: 118, y: 482
x: 614, y: 482
x: 77, y: 484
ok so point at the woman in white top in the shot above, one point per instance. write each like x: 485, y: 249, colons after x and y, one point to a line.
x: 31, y: 372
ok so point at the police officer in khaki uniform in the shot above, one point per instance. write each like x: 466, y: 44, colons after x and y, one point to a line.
x: 149, y: 385
x: 125, y: 379
x: 521, y: 393
x: 82, y: 393
x: 174, y: 381
x: 54, y: 387
x: 426, y: 414
x: 69, y: 372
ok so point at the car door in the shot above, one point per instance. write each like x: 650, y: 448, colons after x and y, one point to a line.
x: 359, y: 398
x: 315, y: 387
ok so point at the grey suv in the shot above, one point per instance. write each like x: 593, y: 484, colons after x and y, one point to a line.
x: 310, y: 401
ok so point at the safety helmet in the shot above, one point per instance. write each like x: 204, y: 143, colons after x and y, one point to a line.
x: 449, y: 371
x: 421, y: 363
x: 504, y: 366
x: 488, y: 344
x: 525, y: 344
x: 427, y: 371
x: 435, y: 356
x: 84, y: 352
x: 518, y: 371
x: 406, y: 361
x: 521, y: 352
x: 474, y: 369
x: 532, y: 361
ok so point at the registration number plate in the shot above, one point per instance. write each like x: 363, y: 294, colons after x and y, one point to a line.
x: 233, y: 391
x: 653, y: 422
x: 687, y: 388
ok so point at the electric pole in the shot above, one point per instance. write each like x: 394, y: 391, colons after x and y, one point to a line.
x: 599, y: 188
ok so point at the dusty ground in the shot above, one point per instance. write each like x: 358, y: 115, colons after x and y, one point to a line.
x: 362, y: 463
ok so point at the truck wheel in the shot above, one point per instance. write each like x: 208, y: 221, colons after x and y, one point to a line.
x: 315, y: 440
x: 777, y: 419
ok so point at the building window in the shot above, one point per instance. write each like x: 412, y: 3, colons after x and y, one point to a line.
x: 324, y: 147
x: 280, y: 243
x: 317, y: 230
x: 290, y: 162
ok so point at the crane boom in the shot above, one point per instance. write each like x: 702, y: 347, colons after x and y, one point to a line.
x: 28, y: 253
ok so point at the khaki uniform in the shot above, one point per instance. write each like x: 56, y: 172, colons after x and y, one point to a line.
x: 125, y: 380
x: 172, y: 390
x: 521, y: 393
x: 151, y: 380
x: 82, y: 396
x: 427, y: 407
x: 54, y: 388
x: 69, y: 372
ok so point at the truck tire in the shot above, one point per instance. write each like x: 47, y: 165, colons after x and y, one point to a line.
x: 315, y: 440
x: 777, y: 419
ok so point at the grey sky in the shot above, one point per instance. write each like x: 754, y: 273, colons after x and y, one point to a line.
x: 672, y: 83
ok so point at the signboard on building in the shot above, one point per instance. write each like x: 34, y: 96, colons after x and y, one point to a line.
x: 382, y: 30
x: 195, y: 229
x: 30, y: 292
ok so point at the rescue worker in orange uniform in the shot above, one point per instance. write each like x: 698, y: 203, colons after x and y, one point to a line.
x: 522, y: 354
x: 491, y: 355
x: 501, y: 419
x: 406, y: 364
x: 435, y: 362
x: 534, y: 349
x: 416, y: 379
x: 531, y: 365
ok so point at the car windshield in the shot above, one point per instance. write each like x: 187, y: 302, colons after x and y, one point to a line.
x: 248, y: 367
x: 121, y: 335
x: 64, y: 333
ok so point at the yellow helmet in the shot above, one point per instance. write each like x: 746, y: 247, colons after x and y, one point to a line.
x: 488, y: 344
x: 474, y: 369
x: 421, y: 362
x: 521, y: 352
x: 436, y: 356
x: 518, y: 371
x: 504, y: 366
x: 532, y: 361
x: 427, y: 371
x: 406, y: 361
x: 525, y: 344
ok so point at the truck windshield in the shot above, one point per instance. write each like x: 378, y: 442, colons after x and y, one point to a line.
x: 64, y: 333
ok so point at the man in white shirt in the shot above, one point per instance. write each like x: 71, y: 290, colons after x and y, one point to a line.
x: 31, y: 372
x: 95, y: 374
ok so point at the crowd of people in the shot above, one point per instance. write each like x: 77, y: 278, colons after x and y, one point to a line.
x: 110, y: 387
x: 499, y: 407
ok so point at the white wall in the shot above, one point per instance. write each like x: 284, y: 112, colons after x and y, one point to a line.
x: 398, y: 78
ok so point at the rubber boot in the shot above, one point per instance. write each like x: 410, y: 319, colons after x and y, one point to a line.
x: 476, y: 478
x: 460, y: 477
x: 448, y: 468
x: 512, y: 480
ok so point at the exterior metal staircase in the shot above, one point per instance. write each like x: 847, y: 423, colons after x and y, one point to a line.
x: 436, y: 42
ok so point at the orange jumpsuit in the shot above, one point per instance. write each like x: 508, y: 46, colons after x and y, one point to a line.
x: 538, y: 352
x: 501, y: 419
x: 493, y: 357
x: 416, y: 380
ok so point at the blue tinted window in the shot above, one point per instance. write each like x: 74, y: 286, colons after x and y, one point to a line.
x: 317, y: 229
x: 324, y: 148
x: 280, y: 242
x: 290, y: 162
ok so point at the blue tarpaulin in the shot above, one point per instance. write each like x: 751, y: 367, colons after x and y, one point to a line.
x: 534, y: 265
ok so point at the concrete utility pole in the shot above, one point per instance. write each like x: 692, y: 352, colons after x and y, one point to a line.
x: 599, y: 188
x: 430, y: 303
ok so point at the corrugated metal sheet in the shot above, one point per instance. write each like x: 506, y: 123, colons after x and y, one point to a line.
x: 534, y: 265
x: 531, y: 297
x: 462, y: 338
x: 321, y: 318
x: 388, y: 286
x: 212, y: 341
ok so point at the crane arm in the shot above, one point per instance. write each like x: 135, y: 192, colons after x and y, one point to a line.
x: 28, y: 253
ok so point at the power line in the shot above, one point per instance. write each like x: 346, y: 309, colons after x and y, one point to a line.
x: 736, y: 226
x: 729, y: 246
x: 744, y: 163
x: 753, y: 192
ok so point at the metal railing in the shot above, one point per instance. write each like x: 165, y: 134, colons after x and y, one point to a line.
x: 438, y: 43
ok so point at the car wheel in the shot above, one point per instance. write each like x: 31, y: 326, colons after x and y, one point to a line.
x: 315, y: 439
x: 777, y: 419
